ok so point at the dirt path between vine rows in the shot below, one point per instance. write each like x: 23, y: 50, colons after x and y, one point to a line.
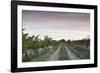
x: 71, y: 55
x: 55, y: 55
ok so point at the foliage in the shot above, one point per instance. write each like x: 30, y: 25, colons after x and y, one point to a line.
x: 80, y: 47
x: 35, y: 43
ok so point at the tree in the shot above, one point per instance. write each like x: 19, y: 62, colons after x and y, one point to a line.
x: 69, y: 41
x: 63, y: 40
x: 47, y: 41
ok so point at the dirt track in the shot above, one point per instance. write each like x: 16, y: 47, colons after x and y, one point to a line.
x: 55, y: 55
x: 71, y: 55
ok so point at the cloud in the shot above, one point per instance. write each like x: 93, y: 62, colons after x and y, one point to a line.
x: 55, y: 21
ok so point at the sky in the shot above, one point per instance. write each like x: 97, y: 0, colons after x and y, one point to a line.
x: 58, y: 25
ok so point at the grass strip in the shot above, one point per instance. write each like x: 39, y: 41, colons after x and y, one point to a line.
x: 63, y: 54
